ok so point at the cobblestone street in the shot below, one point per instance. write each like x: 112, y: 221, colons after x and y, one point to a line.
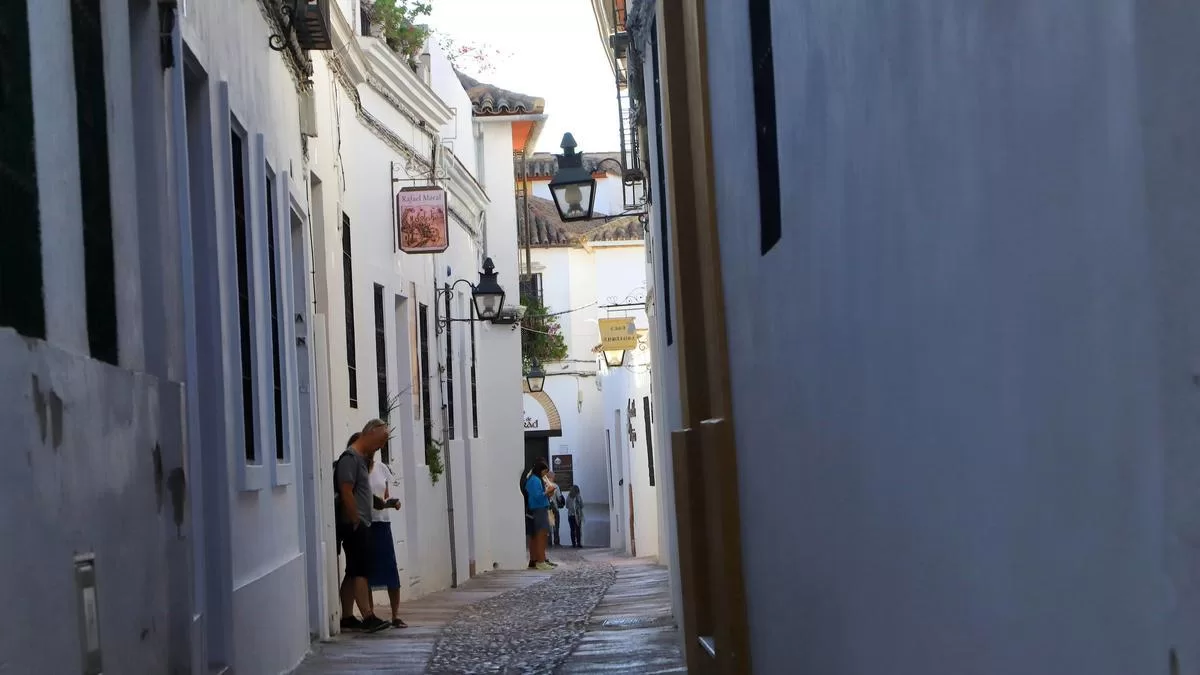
x: 598, y: 613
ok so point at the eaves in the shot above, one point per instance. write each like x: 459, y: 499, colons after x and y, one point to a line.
x: 401, y: 87
x: 346, y: 50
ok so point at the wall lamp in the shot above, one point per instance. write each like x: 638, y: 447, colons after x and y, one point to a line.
x: 487, y: 297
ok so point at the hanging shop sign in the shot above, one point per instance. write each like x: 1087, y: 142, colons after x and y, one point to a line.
x: 563, y: 467
x: 421, y: 220
x: 618, y: 334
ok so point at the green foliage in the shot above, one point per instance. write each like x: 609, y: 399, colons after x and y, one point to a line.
x: 541, y: 335
x: 398, y: 22
x: 433, y: 459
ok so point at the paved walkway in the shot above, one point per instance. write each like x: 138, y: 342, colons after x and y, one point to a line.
x: 485, y: 626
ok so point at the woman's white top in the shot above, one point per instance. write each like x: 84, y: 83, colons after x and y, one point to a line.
x: 381, y: 478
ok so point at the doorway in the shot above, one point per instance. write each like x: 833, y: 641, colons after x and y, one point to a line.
x: 536, y: 447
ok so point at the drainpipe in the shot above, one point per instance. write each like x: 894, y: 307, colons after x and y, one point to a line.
x: 446, y: 443
x: 528, y: 225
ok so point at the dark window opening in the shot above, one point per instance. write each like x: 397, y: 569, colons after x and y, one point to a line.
x: 276, y: 359
x: 91, y: 108
x: 474, y: 390
x: 648, y: 424
x: 450, y: 431
x: 21, y: 301
x: 348, y: 290
x: 663, y: 226
x: 242, y: 243
x: 381, y: 380
x: 423, y: 340
x: 762, y: 60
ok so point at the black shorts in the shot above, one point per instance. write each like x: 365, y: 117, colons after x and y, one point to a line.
x: 356, y: 542
x: 541, y: 520
x: 530, y: 528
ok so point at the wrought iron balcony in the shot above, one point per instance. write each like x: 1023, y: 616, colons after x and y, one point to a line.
x: 308, y: 20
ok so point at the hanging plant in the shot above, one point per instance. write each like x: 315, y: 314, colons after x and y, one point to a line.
x: 396, y: 22
x: 433, y: 459
x: 541, y: 335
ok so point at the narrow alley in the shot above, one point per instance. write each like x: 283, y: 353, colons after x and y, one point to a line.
x: 600, y: 612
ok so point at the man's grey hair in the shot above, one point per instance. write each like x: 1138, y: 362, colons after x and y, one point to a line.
x: 373, y: 425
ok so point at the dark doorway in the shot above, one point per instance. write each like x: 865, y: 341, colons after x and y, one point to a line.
x: 535, y: 449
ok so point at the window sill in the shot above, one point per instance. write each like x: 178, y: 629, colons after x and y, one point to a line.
x: 284, y: 473
x: 252, y: 477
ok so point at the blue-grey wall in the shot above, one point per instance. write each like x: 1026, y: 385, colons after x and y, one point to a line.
x: 964, y: 380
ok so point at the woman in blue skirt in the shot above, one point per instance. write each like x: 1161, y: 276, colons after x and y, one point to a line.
x: 383, y: 568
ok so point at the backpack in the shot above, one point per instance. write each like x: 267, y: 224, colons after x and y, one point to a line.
x: 337, y: 505
x: 337, y: 493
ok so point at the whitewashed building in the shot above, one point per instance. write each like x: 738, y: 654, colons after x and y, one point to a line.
x: 583, y: 272
x: 94, y: 375
x: 932, y: 317
x: 386, y: 347
x: 204, y: 192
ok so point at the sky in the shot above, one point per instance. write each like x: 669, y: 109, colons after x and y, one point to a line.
x: 552, y: 49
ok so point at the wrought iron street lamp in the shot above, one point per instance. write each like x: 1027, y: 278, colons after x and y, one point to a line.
x: 487, y: 295
x: 614, y: 358
x: 573, y: 187
x: 535, y: 378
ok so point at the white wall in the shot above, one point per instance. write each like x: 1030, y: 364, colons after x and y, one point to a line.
x: 500, y: 528
x: 964, y: 462
x: 93, y: 445
x: 266, y: 541
x: 581, y: 282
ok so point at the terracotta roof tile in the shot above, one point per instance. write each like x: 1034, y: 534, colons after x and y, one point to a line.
x: 491, y: 101
x: 550, y: 231
x: 545, y: 164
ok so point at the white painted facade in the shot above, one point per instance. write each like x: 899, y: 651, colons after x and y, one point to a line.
x: 592, y: 399
x: 987, y: 419
x: 208, y: 556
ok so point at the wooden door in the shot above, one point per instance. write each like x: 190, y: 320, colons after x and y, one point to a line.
x: 704, y: 452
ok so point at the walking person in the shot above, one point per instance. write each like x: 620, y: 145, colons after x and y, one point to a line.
x: 354, y: 510
x: 384, y: 571
x: 575, y: 516
x: 555, y: 496
x: 539, y: 509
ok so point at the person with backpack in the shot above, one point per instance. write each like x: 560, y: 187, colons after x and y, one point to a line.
x: 353, y: 503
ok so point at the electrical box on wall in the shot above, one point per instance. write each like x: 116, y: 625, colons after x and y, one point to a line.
x: 89, y: 614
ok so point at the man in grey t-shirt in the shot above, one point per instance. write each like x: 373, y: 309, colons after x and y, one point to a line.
x: 354, y: 524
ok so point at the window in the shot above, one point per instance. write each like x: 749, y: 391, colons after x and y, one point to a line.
x: 348, y: 289
x: 648, y: 424
x: 662, y: 190
x: 21, y: 305
x: 276, y: 359
x: 242, y: 241
x: 474, y: 392
x: 423, y: 339
x: 450, y: 431
x: 762, y: 61
x: 91, y: 109
x: 381, y: 380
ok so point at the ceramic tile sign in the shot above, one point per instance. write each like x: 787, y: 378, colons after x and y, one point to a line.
x: 564, y: 472
x: 421, y: 220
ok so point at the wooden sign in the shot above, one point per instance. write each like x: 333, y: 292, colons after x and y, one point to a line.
x: 422, y: 224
